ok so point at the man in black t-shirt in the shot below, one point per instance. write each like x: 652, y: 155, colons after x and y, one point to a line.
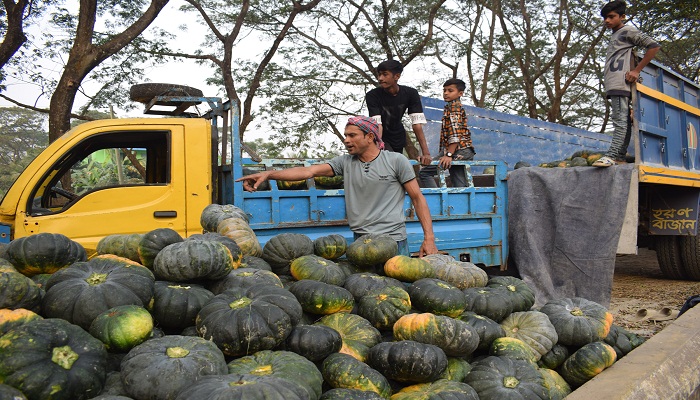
x: 387, y: 105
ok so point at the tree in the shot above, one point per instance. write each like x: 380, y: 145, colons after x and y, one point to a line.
x: 329, y: 63
x: 88, y: 50
x: 230, y: 22
x: 676, y: 26
x: 22, y: 138
x: 12, y: 27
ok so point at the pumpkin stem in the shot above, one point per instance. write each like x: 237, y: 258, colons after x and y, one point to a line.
x: 96, y: 279
x: 64, y: 356
x: 240, y: 303
x: 512, y: 288
x: 510, y: 382
x: 177, y: 352
x: 576, y: 312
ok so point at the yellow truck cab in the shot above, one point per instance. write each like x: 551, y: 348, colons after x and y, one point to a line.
x: 163, y: 179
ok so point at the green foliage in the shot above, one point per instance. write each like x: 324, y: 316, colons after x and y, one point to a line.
x: 100, y: 170
x: 676, y: 26
x: 22, y: 137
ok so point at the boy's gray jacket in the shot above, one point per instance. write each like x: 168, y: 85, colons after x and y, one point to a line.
x: 619, y: 60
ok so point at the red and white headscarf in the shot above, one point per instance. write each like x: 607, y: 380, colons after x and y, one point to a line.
x: 367, y: 125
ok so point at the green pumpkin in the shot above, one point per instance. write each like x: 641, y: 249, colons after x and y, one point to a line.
x: 241, y: 233
x: 533, y: 328
x: 315, y: 342
x: 344, y: 371
x: 440, y: 389
x: 84, y: 290
x: 160, y: 368
x: 329, y: 182
x: 513, y: 348
x: 213, y: 214
x: 358, y: 334
x: 487, y: 329
x: 230, y: 244
x: 622, y: 340
x: 10, y: 393
x: 317, y: 268
x: 555, y: 357
x: 240, y: 386
x: 194, y: 259
x: 292, y: 185
x: 489, y: 301
x: 383, y: 307
x: 243, y: 321
x: 578, y: 321
x: 457, y: 273
x: 281, y: 364
x: 282, y: 249
x: 322, y: 298
x: 408, y: 269
x: 255, y: 262
x: 175, y: 305
x: 12, y: 318
x: 122, y: 245
x: 496, y: 378
x: 53, y: 359
x: 153, y: 242
x: 408, y: 361
x: 556, y: 385
x: 330, y: 247
x: 457, y: 369
x: 370, y: 250
x: 437, y: 297
x: 521, y: 296
x: 456, y: 338
x: 122, y: 327
x: 43, y: 253
x: 587, y: 362
x: 360, y: 284
x: 349, y: 394
x: 19, y: 291
x: 243, y: 278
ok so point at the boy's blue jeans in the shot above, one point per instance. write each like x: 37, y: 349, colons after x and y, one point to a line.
x: 622, y: 127
x: 457, y: 173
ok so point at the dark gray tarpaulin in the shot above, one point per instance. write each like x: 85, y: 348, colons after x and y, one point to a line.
x: 564, y: 225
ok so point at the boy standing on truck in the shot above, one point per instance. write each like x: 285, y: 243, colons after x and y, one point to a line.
x: 619, y: 76
x: 387, y: 105
x: 455, y: 138
x: 375, y: 183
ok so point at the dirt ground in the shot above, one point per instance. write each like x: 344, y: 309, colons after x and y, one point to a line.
x: 638, y: 284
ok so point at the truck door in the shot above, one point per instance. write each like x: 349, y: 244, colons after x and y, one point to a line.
x: 116, y: 182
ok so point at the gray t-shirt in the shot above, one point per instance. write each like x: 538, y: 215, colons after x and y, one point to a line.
x: 374, y: 193
x: 618, y: 60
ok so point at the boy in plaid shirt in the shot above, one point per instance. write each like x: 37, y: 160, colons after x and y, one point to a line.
x: 455, y: 138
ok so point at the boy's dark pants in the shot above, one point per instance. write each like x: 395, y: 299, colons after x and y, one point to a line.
x: 622, y: 127
x: 457, y: 173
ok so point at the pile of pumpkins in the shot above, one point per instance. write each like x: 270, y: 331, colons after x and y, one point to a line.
x: 581, y: 158
x: 218, y: 316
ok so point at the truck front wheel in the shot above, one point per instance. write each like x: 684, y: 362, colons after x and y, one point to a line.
x: 668, y: 253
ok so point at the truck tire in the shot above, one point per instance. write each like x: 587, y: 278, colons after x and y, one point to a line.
x: 668, y: 253
x: 145, y: 92
x: 690, y: 255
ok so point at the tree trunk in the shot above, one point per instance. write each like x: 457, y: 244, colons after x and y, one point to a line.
x: 14, y: 34
x: 84, y: 56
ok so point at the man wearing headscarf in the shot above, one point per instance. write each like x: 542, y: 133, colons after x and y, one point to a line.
x: 375, y: 183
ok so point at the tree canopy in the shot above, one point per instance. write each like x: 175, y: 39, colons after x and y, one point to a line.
x: 315, y: 59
